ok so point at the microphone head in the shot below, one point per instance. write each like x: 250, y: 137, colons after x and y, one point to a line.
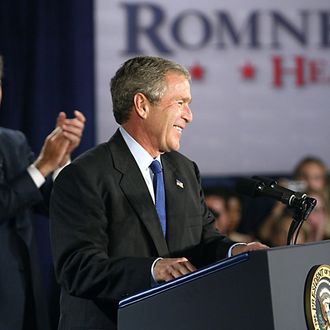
x: 247, y: 186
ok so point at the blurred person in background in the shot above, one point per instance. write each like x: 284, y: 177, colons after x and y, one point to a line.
x: 280, y: 229
x: 227, y: 208
x: 313, y: 172
x: 234, y: 213
x: 309, y: 176
x: 25, y: 185
x: 216, y: 202
x: 318, y: 218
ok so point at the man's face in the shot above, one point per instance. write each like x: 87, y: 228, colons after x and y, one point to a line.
x: 168, y: 118
x: 314, y: 176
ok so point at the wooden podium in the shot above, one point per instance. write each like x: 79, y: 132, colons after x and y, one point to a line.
x: 258, y: 290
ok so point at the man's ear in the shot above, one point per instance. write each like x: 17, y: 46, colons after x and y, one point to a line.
x: 141, y: 105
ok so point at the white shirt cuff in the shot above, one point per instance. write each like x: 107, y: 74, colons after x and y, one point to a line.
x: 152, y: 268
x: 231, y: 248
x: 36, y: 176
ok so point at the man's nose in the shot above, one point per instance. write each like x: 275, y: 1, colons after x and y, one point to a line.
x: 187, y: 114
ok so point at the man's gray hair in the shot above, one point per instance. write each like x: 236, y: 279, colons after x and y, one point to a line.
x: 142, y: 74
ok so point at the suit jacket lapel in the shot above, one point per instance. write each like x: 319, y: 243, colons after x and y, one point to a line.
x: 136, y: 191
x: 175, y: 204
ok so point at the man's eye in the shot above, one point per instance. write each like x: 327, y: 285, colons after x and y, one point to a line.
x: 180, y: 102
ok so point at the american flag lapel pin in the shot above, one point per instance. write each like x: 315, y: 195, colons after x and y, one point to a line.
x: 179, y: 184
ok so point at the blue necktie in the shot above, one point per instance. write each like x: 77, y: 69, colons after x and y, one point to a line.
x: 159, y: 190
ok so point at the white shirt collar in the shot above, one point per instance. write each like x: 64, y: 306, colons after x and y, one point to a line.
x: 141, y: 156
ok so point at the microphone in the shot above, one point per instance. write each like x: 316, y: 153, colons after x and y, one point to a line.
x: 262, y: 186
x: 301, y: 203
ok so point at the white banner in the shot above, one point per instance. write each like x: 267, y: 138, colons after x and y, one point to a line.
x: 260, y: 69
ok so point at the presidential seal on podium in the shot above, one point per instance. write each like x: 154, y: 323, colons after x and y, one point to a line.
x: 317, y: 298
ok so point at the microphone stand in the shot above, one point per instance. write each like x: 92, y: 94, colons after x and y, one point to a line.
x: 302, y: 208
x: 299, y: 202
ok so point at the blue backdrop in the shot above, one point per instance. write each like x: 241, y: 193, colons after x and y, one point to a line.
x: 48, y: 52
x: 49, y: 67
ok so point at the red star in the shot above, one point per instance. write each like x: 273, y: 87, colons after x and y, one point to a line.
x: 197, y: 72
x: 248, y: 71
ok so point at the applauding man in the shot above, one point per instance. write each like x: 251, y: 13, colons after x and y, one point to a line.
x: 25, y: 185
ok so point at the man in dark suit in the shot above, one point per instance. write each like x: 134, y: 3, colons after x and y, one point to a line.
x: 25, y: 187
x: 108, y: 241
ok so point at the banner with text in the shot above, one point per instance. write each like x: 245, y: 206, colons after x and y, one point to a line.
x: 260, y: 75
